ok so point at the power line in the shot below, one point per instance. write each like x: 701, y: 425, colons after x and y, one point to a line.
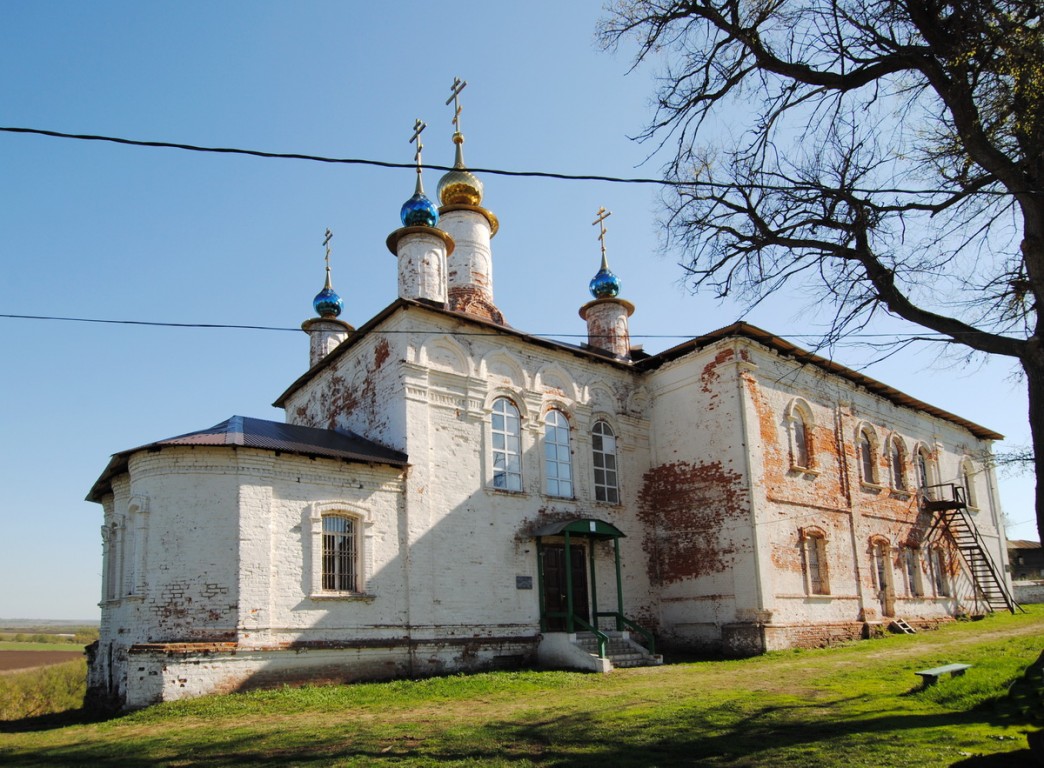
x: 161, y: 324
x: 491, y: 171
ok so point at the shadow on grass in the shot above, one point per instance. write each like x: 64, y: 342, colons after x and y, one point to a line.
x: 686, y: 735
x: 53, y: 720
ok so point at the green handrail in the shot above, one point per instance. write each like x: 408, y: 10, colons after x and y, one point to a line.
x: 603, y: 639
x: 622, y: 621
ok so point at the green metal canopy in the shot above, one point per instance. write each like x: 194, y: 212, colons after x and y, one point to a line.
x: 586, y: 526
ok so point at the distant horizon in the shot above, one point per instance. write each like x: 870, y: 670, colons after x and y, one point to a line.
x: 57, y: 622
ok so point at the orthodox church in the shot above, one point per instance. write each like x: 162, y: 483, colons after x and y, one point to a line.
x: 450, y: 493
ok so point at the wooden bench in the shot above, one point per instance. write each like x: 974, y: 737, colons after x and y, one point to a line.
x: 931, y: 676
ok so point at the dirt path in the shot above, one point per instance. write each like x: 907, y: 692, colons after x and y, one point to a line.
x: 16, y: 661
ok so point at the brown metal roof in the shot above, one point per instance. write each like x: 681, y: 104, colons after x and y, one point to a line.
x: 246, y: 432
x: 784, y: 347
x: 651, y: 362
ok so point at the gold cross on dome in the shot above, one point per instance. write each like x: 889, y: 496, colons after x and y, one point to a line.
x: 457, y: 87
x: 418, y: 128
x: 601, y: 216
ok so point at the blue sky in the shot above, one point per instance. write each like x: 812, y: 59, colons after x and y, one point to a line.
x: 103, y: 231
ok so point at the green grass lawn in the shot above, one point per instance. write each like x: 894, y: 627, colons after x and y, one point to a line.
x: 11, y: 645
x: 855, y: 705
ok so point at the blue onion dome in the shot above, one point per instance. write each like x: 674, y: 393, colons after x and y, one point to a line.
x: 419, y: 211
x: 327, y: 303
x: 605, y: 285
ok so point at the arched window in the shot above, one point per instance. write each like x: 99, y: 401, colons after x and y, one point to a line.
x: 507, y: 445
x: 603, y: 454
x: 799, y: 430
x: 558, y: 461
x: 939, y: 572
x: 897, y: 462
x: 968, y: 481
x: 867, y: 459
x: 340, y: 554
x: 813, y: 551
x: 915, y: 584
x: 923, y: 476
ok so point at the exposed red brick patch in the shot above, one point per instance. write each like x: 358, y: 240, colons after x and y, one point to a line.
x: 381, y: 353
x: 710, y: 375
x: 685, y: 508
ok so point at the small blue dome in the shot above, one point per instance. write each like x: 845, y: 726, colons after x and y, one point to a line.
x: 327, y: 303
x: 605, y: 285
x: 419, y: 211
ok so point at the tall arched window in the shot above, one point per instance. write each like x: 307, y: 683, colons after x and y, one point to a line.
x: 968, y: 481
x: 558, y: 461
x: 867, y: 459
x: 923, y: 477
x: 603, y: 454
x: 897, y: 462
x: 340, y: 554
x: 507, y: 445
x: 799, y: 424
x: 940, y: 576
x: 813, y: 546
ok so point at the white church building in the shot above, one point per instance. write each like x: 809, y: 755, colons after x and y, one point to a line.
x: 449, y: 493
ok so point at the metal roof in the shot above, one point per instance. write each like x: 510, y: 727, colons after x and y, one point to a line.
x: 246, y: 432
x: 650, y: 362
x: 784, y: 347
x: 586, y: 526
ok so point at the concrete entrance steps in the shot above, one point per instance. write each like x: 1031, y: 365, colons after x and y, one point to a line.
x: 621, y: 651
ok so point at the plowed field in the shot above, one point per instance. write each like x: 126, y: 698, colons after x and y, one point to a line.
x: 15, y: 660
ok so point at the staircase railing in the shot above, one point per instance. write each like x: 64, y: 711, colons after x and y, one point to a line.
x: 945, y: 514
x: 603, y: 639
x: 622, y: 621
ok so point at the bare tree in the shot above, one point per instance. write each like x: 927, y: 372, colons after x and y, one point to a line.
x: 890, y: 152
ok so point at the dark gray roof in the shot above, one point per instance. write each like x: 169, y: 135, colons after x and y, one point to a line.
x: 246, y: 432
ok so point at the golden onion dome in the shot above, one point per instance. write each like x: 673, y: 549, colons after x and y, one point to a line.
x: 460, y: 186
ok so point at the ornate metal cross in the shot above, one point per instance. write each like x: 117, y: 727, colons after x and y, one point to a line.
x: 602, y: 215
x: 326, y: 244
x: 457, y: 87
x: 418, y: 128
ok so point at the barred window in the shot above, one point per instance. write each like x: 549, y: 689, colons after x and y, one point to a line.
x: 340, y: 554
x: 814, y: 546
x: 507, y: 446
x: 603, y: 452
x: 558, y: 461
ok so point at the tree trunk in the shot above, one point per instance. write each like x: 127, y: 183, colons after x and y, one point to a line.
x: 1033, y: 365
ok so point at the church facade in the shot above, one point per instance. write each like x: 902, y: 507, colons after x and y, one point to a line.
x: 449, y: 493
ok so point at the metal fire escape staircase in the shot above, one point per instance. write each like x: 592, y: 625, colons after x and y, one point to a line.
x: 951, y: 519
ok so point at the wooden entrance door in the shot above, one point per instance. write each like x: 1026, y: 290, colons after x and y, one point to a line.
x: 555, y: 584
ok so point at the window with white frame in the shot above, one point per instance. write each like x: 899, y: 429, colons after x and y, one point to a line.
x: 558, y: 461
x: 340, y: 553
x: 603, y: 453
x: 867, y: 457
x: 799, y: 424
x: 813, y: 550
x: 897, y: 462
x: 505, y: 428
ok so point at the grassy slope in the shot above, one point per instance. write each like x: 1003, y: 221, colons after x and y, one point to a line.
x: 857, y: 705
